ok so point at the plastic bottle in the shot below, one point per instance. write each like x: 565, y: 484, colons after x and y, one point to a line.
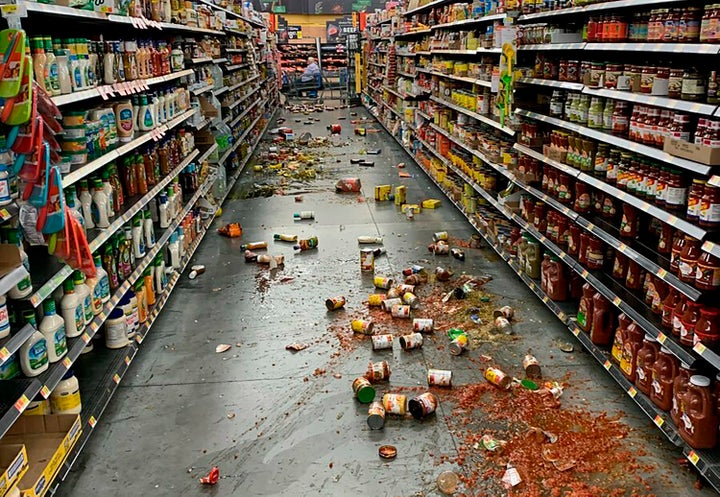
x: 33, y: 353
x: 149, y: 290
x: 24, y: 286
x: 72, y: 310
x: 148, y: 229
x: 100, y: 205
x: 146, y: 120
x: 4, y: 318
x: 51, y: 68
x: 663, y: 375
x: 65, y: 399
x: 125, y: 253
x: 142, y: 306
x: 304, y: 215
x: 163, y: 212
x: 39, y: 62
x: 110, y: 267
x: 125, y: 119
x: 95, y: 301
x: 86, y: 201
x: 72, y: 207
x: 101, y: 292
x: 699, y: 419
x: 171, y: 204
x: 138, y: 238
x: 174, y: 251
x: 602, y: 322
x: 109, y: 193
x: 370, y: 239
x: 109, y: 68
x: 181, y: 241
x: 160, y: 279
x: 83, y: 291
x: 52, y: 327
x: 116, y: 330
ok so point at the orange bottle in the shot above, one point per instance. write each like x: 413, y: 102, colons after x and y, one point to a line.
x: 645, y: 361
x: 632, y: 343
x: 585, y: 309
x: 680, y: 385
x: 699, y: 427
x: 623, y: 323
x: 664, y: 371
x: 602, y: 322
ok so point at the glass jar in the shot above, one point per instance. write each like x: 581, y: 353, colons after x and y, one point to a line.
x: 687, y: 324
x: 595, y: 253
x: 665, y: 240
x: 597, y: 69
x: 562, y: 70
x: 676, y: 192
x: 694, y: 196
x: 612, y: 72
x: 710, y: 206
x: 620, y: 266
x: 620, y: 121
x: 675, y: 83
x: 707, y: 272
x: 595, y: 113
x: 669, y: 303
x: 630, y: 221
x: 573, y: 70
x: 671, y: 25
x: 680, y: 127
x: 677, y: 248
x: 689, y: 25
x: 693, y: 86
x: 713, y: 84
x: 687, y: 265
x: 647, y: 78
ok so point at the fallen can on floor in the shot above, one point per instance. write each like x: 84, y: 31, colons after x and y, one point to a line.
x: 439, y: 377
x: 532, y: 367
x: 442, y: 274
x: 423, y: 325
x: 381, y: 342
x: 503, y: 325
x: 497, y: 377
x: 378, y: 371
x: 388, y: 303
x: 459, y: 344
x: 439, y: 248
x: 393, y: 293
x: 506, y: 311
x: 411, y: 300
x: 362, y: 326
x: 376, y: 299
x: 400, y: 311
x: 382, y: 282
x: 335, y: 303
x: 412, y: 341
x: 394, y: 403
x: 363, y: 390
x: 440, y: 235
x: 422, y: 405
x: 367, y: 260
x: 405, y: 288
x: 376, y: 416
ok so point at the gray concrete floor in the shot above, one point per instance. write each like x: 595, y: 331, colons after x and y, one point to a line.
x: 258, y: 412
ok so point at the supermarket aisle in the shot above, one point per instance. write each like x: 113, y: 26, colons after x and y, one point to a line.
x: 278, y: 423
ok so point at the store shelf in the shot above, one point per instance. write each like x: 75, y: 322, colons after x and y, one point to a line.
x: 554, y: 46
x: 219, y: 60
x: 412, y: 34
x: 108, y: 90
x: 423, y: 52
x: 427, y: 6
x: 712, y: 248
x: 682, y: 48
x: 383, y: 21
x: 664, y: 102
x: 377, y: 64
x: 199, y: 60
x: 236, y: 50
x: 11, y: 279
x: 406, y: 74
x: 654, y: 153
x: 237, y: 143
x: 202, y: 89
x: 469, y: 22
x: 207, y: 153
x: 235, y: 67
x: 243, y: 114
x: 620, y: 4
x: 104, y: 234
x: 251, y: 22
x: 11, y: 344
x: 664, y: 216
x: 566, y: 85
x: 220, y: 90
x: 441, y: 51
x: 484, y: 119
x: 463, y: 79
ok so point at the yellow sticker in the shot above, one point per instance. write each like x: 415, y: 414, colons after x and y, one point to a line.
x: 545, y: 299
x: 661, y: 338
x: 699, y: 348
x: 85, y: 338
x: 590, y: 226
x: 661, y: 273
x: 561, y: 315
x: 21, y: 403
x: 672, y: 220
x: 584, y: 273
x: 67, y: 362
x: 4, y: 353
x: 45, y: 392
x: 92, y: 421
x: 659, y: 421
x: 617, y: 301
x: 632, y: 392
x: 127, y: 360
x: 607, y: 365
x: 622, y: 247
x: 693, y: 457
x: 9, y: 9
x: 4, y: 213
x: 116, y: 378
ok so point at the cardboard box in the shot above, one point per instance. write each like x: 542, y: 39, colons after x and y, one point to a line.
x: 13, y: 464
x: 382, y: 192
x: 48, y: 440
x: 430, y: 203
x: 698, y: 153
x: 413, y: 207
x: 9, y: 258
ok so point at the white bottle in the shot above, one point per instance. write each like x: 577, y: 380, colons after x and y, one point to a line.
x: 65, y: 399
x: 146, y: 119
x: 4, y: 318
x: 370, y: 239
x: 171, y: 204
x: 24, y: 287
x: 64, y: 72
x: 102, y: 289
x: 159, y: 274
x: 86, y: 205
x: 52, y: 327
x: 95, y: 303
x: 174, y: 251
x: 181, y: 241
x: 109, y: 192
x: 148, y: 229
x: 169, y: 105
x: 162, y: 115
x: 156, y: 109
x: 72, y: 310
x: 99, y: 205
x: 34, y: 355
x: 163, y: 212
x: 138, y: 238
x: 83, y: 291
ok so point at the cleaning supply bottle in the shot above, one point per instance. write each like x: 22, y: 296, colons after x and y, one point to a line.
x: 72, y: 310
x: 100, y: 205
x: 138, y: 237
x: 24, y: 286
x: 52, y: 327
x: 86, y: 201
x: 181, y: 241
x: 148, y: 229
x: 171, y: 203
x: 109, y: 193
x: 33, y: 353
x: 163, y: 213
x: 101, y: 292
x: 83, y: 291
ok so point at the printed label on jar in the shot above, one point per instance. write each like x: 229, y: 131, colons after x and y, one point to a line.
x: 675, y: 196
x: 693, y: 87
x: 710, y: 213
x: 710, y: 276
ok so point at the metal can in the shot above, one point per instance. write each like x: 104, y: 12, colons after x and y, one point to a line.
x: 502, y: 324
x: 335, y: 303
x: 531, y: 366
x: 382, y: 282
x: 405, y: 288
x: 378, y: 371
x: 363, y: 390
x: 440, y: 235
x: 376, y: 416
x: 423, y: 325
x: 400, y: 311
x: 367, y: 260
x: 394, y: 403
x: 413, y: 279
x: 380, y: 342
x: 393, y: 293
x: 422, y: 405
x: 497, y: 378
x: 411, y: 300
x: 506, y: 311
x: 362, y: 326
x: 412, y: 270
x: 442, y: 274
x: 439, y: 248
x: 388, y: 304
x: 459, y: 344
x: 335, y: 129
x: 439, y: 377
x: 376, y: 299
x: 412, y: 341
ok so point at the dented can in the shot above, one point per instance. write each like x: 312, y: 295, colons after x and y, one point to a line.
x: 376, y: 299
x: 497, y: 377
x: 412, y: 270
x: 413, y: 279
x: 506, y: 311
x: 405, y: 288
x: 363, y: 390
x: 394, y: 403
x: 459, y: 344
x: 439, y: 248
x: 393, y: 293
x: 335, y: 129
x: 423, y: 325
x: 422, y: 405
x: 367, y: 260
x: 412, y: 341
x: 531, y: 366
x: 502, y: 324
x: 382, y: 282
x: 378, y: 371
x: 362, y: 326
x: 411, y: 300
x: 376, y: 416
x: 439, y: 377
x: 388, y: 304
x: 335, y: 303
x: 400, y: 311
x: 440, y: 235
x: 381, y: 342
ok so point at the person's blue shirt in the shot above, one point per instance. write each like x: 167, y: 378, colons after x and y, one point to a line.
x: 311, y: 72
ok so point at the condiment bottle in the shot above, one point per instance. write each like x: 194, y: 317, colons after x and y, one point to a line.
x: 585, y: 309
x: 678, y: 313
x: 630, y: 221
x: 710, y: 206
x: 707, y: 328
x: 687, y: 323
x: 644, y: 365
x: 72, y: 310
x: 602, y: 321
x: 699, y: 419
x: 633, y: 279
x: 664, y: 371
x: 632, y: 342
x: 668, y: 307
x: 687, y: 265
x: 620, y: 266
x: 680, y: 384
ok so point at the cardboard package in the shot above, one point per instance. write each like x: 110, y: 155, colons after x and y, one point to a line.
x: 9, y: 258
x: 698, y: 153
x: 13, y: 464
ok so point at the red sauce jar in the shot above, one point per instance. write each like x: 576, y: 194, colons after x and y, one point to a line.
x: 707, y: 329
x: 583, y: 248
x: 710, y: 206
x: 630, y: 222
x: 620, y: 266
x: 574, y: 240
x: 677, y: 248
x: 585, y: 308
x: 562, y: 227
x: 595, y: 253
x: 679, y: 388
x: 645, y: 360
x: 557, y: 282
x: 664, y: 370
x: 632, y: 343
x: 661, y: 291
x: 582, y: 198
x: 687, y: 265
x: 602, y: 322
x: 700, y: 418
x: 707, y: 272
x: 634, y: 280
x: 676, y: 192
x: 694, y: 198
x: 616, y: 350
x: 687, y: 324
x: 668, y: 308
x: 677, y: 315
x: 665, y: 239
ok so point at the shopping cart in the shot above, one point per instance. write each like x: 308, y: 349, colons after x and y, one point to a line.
x: 294, y: 87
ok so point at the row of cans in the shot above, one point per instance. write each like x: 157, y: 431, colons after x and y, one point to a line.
x: 366, y: 326
x: 419, y: 407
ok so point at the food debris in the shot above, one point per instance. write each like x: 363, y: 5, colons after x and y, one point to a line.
x: 296, y: 347
x: 223, y: 347
x: 212, y: 477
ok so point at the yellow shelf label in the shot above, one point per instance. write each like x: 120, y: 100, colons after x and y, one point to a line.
x: 545, y: 299
x: 693, y: 457
x: 661, y: 338
x: 622, y: 247
x: 632, y: 392
x: 672, y: 220
x: 699, y: 348
x: 562, y: 316
x: 22, y: 403
x: 45, y: 392
x: 4, y: 353
x: 607, y: 365
x: 92, y: 421
x: 659, y: 421
x: 661, y: 273
x: 575, y: 330
x: 4, y: 213
x: 67, y: 362
x: 116, y: 379
x: 86, y: 337
x: 127, y: 360
x: 584, y: 273
x: 617, y: 301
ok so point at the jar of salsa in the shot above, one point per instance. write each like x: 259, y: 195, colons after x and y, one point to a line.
x: 676, y: 192
x: 620, y: 120
x: 694, y: 196
x: 707, y: 272
x: 687, y: 265
x: 582, y: 198
x: 597, y: 69
x: 633, y: 279
x: 573, y: 70
x: 665, y: 240
x: 693, y: 86
x: 661, y: 185
x: 687, y: 324
x: 645, y: 360
x: 663, y: 375
x: 647, y: 78
x: 710, y: 206
x: 680, y: 127
x: 707, y: 328
x: 595, y: 253
x: 630, y: 221
x: 678, y: 313
x: 689, y: 25
x: 612, y: 73
x: 677, y: 248
x: 671, y: 301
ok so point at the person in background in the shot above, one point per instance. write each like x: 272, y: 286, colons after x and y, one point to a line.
x: 311, y: 71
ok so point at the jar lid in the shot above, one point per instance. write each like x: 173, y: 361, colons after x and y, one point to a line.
x: 700, y: 381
